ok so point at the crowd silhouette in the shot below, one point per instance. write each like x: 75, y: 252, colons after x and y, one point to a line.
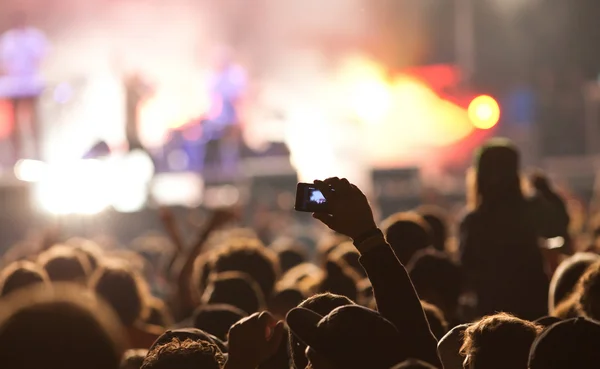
x: 519, y: 291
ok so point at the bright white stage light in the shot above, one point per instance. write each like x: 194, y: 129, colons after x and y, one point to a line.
x: 130, y: 176
x: 74, y: 188
x: 30, y: 170
x: 181, y: 189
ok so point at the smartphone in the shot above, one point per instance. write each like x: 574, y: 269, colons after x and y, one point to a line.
x: 310, y: 199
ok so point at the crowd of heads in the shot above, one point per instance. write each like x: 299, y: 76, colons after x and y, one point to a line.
x: 493, y: 295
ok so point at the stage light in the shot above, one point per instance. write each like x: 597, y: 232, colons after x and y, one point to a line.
x: 30, y: 170
x: 367, y: 90
x: 177, y: 189
x: 484, y: 112
x: 74, y: 188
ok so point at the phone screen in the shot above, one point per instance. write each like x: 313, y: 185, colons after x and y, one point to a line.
x: 310, y: 199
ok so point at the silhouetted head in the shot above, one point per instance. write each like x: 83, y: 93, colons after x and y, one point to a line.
x: 123, y: 289
x: 350, y: 255
x: 235, y: 289
x: 285, y: 300
x: 217, y: 319
x: 21, y: 274
x: 499, y: 341
x: 569, y: 344
x: 63, y: 327
x: 187, y: 354
x: 290, y: 253
x: 184, y: 334
x: 407, y: 233
x: 251, y: 257
x: 321, y: 304
x: 349, y: 337
x: 89, y: 249
x: 588, y: 293
x: 158, y: 313
x: 437, y: 279
x: 64, y: 264
x: 340, y: 279
x: 498, y: 180
x: 327, y: 245
x: 437, y: 219
x: 567, y: 275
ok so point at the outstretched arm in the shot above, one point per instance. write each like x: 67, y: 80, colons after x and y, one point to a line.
x: 184, y: 279
x: 395, y: 295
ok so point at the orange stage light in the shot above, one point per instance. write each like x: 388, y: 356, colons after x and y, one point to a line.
x: 484, y: 112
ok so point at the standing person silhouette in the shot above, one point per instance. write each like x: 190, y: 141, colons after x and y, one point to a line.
x: 499, y: 238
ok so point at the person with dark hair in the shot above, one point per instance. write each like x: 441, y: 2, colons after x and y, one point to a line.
x: 436, y: 319
x: 254, y: 340
x: 407, y: 233
x: 499, y: 238
x: 217, y: 319
x: 437, y: 219
x: 126, y: 292
x: 290, y: 253
x: 285, y: 300
x: 329, y: 244
x: 566, y: 276
x: 121, y: 288
x: 133, y: 359
x: 499, y: 341
x: 400, y: 310
x: 555, y: 223
x: 63, y: 264
x: 89, y: 249
x: 235, y: 289
x: 588, y: 293
x: 251, y: 257
x: 305, y: 277
x: 184, y: 334
x: 63, y: 327
x: 350, y: 337
x: 188, y: 354
x: 569, y: 344
x: 321, y: 304
x: 339, y: 279
x: 19, y: 275
x: 347, y: 252
x: 158, y: 313
x: 438, y: 280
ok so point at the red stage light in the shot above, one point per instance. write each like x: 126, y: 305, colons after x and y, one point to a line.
x: 484, y: 112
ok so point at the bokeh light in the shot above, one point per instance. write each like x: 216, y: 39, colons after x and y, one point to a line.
x: 484, y: 112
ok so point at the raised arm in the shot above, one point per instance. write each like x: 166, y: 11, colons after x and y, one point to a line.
x: 395, y: 295
x: 184, y: 279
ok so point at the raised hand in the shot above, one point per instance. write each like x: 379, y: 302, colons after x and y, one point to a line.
x: 253, y: 340
x: 350, y: 212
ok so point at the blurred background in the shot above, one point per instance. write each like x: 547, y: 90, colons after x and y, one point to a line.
x: 198, y: 103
